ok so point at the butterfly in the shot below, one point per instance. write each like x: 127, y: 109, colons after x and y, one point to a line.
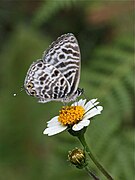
x: 56, y: 76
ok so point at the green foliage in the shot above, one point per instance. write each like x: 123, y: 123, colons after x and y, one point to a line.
x: 50, y: 9
x: 106, y: 74
x: 111, y: 71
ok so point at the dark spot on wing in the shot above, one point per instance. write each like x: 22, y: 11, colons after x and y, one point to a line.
x: 33, y: 93
x: 76, y: 54
x: 70, y: 80
x: 61, y: 88
x: 66, y: 90
x: 39, y: 65
x: 74, y: 83
x: 46, y: 87
x: 55, y: 73
x: 72, y: 38
x: 46, y: 96
x: 64, y: 50
x: 56, y: 89
x: 61, y: 95
x: 42, y: 78
x: 61, y: 56
x: 68, y: 74
x: 62, y: 81
x: 69, y: 51
x: 33, y: 68
x: 45, y: 76
x: 60, y: 65
x: 55, y: 96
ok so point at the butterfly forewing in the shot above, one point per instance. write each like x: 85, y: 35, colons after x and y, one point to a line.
x: 64, y: 54
x: 56, y: 76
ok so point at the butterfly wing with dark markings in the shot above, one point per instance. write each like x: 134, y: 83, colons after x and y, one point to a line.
x: 56, y: 76
x: 46, y: 82
x: 64, y: 54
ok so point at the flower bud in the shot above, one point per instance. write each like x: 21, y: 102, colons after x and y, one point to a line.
x: 77, y: 157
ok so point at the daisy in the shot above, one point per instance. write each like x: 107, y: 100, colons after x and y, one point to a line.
x: 76, y: 117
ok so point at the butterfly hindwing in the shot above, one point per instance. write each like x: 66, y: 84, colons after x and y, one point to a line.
x: 46, y: 82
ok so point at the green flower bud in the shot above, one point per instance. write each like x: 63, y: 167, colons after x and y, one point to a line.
x: 77, y: 157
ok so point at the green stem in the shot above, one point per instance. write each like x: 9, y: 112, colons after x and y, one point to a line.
x: 99, y: 166
x: 91, y: 174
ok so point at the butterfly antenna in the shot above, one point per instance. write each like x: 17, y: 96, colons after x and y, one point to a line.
x: 84, y: 95
x: 22, y: 88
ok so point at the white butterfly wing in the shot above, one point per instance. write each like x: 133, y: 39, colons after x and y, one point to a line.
x: 46, y: 82
x: 56, y: 76
x: 64, y: 54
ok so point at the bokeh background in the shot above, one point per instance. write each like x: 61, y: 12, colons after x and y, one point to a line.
x: 104, y: 30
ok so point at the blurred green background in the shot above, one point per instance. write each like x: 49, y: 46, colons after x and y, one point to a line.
x: 105, y: 34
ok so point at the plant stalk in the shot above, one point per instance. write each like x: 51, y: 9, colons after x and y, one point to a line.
x: 91, y: 174
x: 99, y: 166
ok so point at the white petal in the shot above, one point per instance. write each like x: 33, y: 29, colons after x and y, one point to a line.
x: 90, y: 104
x: 53, y: 119
x: 74, y: 104
x: 54, y: 130
x: 54, y: 127
x: 79, y: 101
x: 81, y: 125
x: 82, y: 102
x: 93, y: 112
x: 53, y: 122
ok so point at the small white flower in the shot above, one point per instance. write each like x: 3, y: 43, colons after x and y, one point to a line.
x: 77, y: 116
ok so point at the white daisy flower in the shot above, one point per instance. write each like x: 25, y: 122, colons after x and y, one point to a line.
x: 77, y: 116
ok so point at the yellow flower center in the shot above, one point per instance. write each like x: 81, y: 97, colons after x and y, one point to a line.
x: 70, y: 115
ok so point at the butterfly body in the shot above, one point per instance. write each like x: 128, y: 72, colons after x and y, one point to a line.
x: 56, y: 76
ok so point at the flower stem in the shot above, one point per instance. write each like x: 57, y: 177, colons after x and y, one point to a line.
x: 99, y: 166
x: 91, y: 174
